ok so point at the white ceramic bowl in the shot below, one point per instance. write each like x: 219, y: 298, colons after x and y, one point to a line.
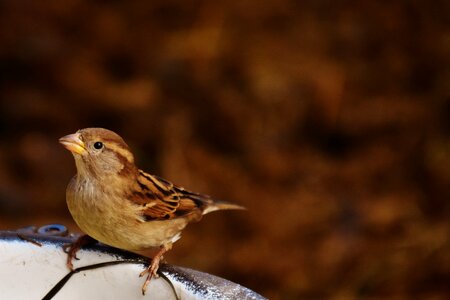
x: 33, y: 266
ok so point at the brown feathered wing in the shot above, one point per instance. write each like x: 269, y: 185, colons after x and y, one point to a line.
x: 162, y: 200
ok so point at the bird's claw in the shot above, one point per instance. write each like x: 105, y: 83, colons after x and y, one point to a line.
x: 69, y: 249
x: 66, y: 248
x: 72, y: 248
x: 151, y: 271
x: 71, y: 255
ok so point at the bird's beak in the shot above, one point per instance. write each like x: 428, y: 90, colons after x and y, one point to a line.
x: 73, y: 143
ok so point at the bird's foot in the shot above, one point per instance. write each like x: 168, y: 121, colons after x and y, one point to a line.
x: 152, y: 270
x: 72, y: 249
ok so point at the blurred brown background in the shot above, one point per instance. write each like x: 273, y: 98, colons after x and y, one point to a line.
x: 329, y: 121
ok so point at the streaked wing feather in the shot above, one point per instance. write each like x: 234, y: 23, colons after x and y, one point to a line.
x: 162, y: 200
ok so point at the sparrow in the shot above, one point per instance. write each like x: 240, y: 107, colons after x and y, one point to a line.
x: 119, y: 205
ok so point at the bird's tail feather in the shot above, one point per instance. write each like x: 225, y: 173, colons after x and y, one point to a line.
x: 222, y: 205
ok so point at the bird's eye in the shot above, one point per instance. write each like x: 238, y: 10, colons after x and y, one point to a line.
x: 98, y: 145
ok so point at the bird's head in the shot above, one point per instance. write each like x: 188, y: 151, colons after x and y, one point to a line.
x: 99, y: 153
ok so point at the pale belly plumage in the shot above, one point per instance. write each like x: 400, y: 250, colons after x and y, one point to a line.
x: 126, y: 230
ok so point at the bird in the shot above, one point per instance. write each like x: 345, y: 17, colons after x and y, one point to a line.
x: 116, y: 203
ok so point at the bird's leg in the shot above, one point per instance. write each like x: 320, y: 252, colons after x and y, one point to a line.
x: 152, y: 270
x: 72, y: 249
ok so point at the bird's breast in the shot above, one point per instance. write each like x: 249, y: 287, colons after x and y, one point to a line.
x: 99, y: 212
